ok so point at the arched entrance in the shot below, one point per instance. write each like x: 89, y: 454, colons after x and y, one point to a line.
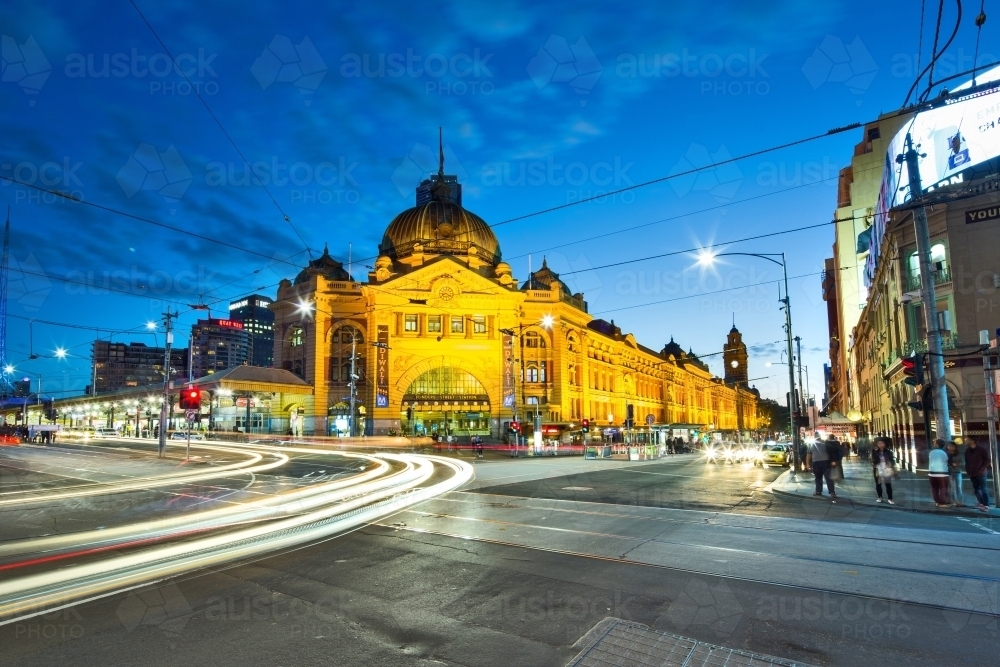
x: 446, y: 401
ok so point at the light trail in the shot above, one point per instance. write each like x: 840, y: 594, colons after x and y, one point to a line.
x: 144, y: 483
x: 280, y: 522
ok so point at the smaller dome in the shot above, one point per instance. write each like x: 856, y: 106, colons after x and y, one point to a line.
x: 325, y: 266
x: 544, y: 278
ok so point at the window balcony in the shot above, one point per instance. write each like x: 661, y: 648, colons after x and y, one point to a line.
x: 949, y: 341
x: 941, y: 277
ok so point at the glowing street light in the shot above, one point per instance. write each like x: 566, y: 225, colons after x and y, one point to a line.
x: 305, y: 307
x: 151, y: 325
x: 8, y: 369
x: 548, y: 321
x: 60, y: 353
x: 706, y: 258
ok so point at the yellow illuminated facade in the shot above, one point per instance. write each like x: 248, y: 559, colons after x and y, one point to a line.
x: 446, y: 340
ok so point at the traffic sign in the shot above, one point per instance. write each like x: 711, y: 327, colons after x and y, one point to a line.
x: 191, y: 415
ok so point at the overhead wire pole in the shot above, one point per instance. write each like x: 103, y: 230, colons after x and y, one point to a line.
x: 165, y: 407
x: 7, y: 383
x: 928, y: 297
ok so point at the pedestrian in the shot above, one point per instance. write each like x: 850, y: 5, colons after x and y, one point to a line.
x: 955, y: 474
x: 818, y: 458
x: 836, y: 455
x: 937, y: 473
x: 977, y: 464
x: 479, y: 447
x: 883, y: 468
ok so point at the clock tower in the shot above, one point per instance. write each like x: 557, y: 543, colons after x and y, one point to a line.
x: 735, y: 356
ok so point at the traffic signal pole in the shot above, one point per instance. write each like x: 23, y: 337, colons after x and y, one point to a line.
x: 939, y: 391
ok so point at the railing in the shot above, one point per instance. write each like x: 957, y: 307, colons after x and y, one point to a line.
x: 948, y: 342
x: 940, y: 278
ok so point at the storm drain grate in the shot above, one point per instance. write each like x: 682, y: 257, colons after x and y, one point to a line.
x: 618, y: 643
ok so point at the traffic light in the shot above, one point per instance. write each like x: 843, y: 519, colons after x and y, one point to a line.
x: 190, y: 399
x: 514, y: 426
x: 913, y: 370
x: 585, y: 425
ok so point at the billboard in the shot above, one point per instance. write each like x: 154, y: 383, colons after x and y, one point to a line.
x: 956, y: 138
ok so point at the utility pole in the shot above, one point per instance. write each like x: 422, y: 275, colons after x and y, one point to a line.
x: 939, y: 391
x: 165, y: 406
x: 792, y: 401
x: 803, y: 398
x: 354, y: 378
x: 989, y: 350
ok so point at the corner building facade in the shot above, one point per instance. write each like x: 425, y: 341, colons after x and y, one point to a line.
x: 445, y: 340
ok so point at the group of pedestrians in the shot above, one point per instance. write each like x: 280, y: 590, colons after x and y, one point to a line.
x: 825, y: 458
x: 945, y: 469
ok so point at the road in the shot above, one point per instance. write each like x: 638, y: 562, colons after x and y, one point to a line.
x: 518, y: 564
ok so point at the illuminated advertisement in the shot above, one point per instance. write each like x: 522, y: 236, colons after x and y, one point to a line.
x: 955, y: 139
x: 382, y: 368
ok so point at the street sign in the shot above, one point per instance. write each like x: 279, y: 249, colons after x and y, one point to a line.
x: 191, y: 415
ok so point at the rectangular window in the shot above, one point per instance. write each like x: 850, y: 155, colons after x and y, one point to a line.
x: 410, y: 323
x: 434, y: 324
x: 479, y: 324
x: 542, y: 373
x: 457, y: 325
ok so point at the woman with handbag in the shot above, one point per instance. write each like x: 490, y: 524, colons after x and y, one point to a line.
x: 883, y: 467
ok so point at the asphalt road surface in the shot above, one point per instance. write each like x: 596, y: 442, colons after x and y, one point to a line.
x: 519, y: 564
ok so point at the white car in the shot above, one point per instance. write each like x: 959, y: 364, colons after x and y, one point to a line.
x: 106, y: 433
x: 182, y: 435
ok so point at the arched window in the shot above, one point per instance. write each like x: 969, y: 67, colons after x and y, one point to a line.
x: 532, y: 373
x: 532, y: 339
x: 295, y: 351
x: 340, y: 354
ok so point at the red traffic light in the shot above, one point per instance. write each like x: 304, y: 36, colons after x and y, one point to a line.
x: 514, y: 426
x: 584, y: 422
x: 190, y: 399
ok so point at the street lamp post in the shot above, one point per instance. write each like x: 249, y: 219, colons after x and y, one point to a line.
x: 706, y: 258
x: 546, y: 322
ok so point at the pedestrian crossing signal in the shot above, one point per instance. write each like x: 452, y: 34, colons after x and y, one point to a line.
x: 913, y: 370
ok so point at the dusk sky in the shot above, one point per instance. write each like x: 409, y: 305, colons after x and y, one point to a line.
x: 540, y: 106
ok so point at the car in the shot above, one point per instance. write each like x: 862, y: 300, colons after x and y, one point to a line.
x: 775, y: 455
x: 106, y: 433
x: 182, y: 435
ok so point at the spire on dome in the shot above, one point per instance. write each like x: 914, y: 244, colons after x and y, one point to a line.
x: 440, y: 154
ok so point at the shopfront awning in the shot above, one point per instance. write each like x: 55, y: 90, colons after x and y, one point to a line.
x: 246, y: 379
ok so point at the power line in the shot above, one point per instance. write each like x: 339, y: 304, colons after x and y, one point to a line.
x: 139, y: 218
x: 197, y: 92
x: 687, y: 250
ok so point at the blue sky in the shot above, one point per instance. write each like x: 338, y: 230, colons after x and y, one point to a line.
x: 337, y: 105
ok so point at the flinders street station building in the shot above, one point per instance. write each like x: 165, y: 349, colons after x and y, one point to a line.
x: 443, y: 339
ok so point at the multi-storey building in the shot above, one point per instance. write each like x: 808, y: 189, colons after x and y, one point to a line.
x: 441, y: 337
x: 964, y: 225
x: 843, y: 282
x: 217, y: 345
x: 123, y: 365
x: 254, y: 314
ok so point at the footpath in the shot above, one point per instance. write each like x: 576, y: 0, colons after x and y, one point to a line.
x: 911, y: 491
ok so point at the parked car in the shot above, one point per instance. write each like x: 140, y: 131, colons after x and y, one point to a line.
x: 106, y: 433
x: 182, y: 435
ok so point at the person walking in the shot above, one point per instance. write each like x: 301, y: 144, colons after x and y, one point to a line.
x: 955, y: 474
x: 937, y: 473
x: 836, y: 454
x: 977, y: 464
x: 479, y: 447
x: 818, y: 458
x: 883, y: 468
